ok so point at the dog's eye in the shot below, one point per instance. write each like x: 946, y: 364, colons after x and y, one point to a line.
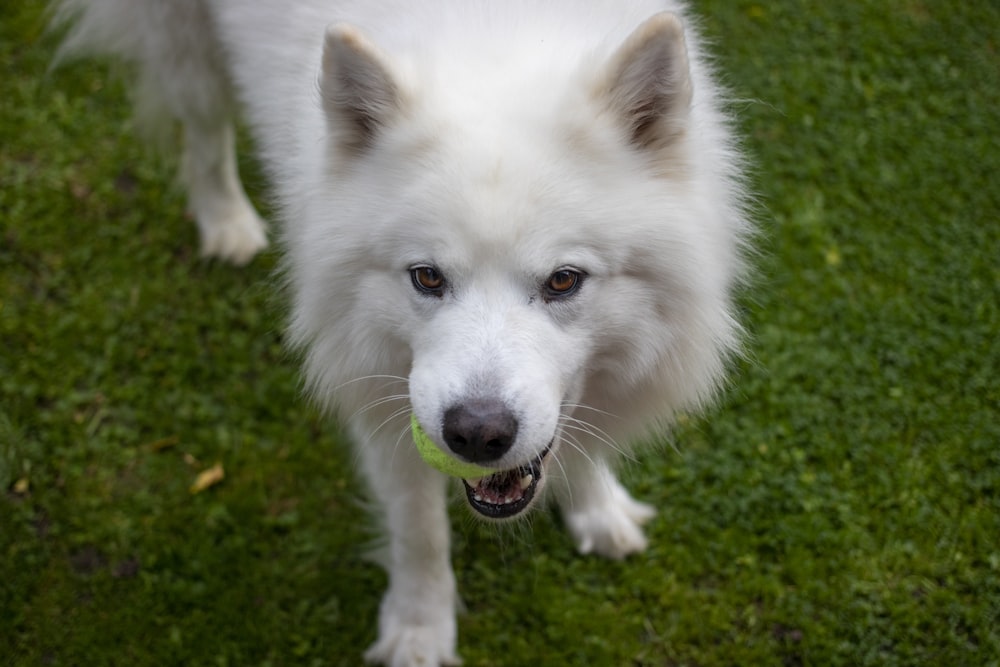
x: 427, y: 279
x: 562, y: 283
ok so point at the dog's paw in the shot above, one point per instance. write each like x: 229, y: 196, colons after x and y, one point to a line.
x: 236, y: 238
x: 611, y: 528
x: 414, y: 640
x: 412, y: 646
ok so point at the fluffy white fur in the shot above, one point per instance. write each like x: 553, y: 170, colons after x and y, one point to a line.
x: 497, y: 143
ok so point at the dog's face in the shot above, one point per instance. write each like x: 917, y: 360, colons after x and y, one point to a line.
x: 498, y: 356
x: 501, y: 322
x: 518, y: 254
x: 514, y: 284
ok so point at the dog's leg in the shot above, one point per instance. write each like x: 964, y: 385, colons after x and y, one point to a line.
x: 180, y: 77
x: 230, y: 227
x: 417, y: 615
x: 601, y: 515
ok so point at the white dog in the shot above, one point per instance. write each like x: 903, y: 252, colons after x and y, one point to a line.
x: 520, y: 221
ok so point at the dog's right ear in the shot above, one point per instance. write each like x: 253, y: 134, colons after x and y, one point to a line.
x: 647, y: 83
x: 360, y: 92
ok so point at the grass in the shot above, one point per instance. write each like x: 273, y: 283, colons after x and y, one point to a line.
x: 841, y: 507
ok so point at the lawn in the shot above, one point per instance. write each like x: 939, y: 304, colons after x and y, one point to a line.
x: 841, y: 506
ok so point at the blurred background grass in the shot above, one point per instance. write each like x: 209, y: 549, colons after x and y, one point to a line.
x: 841, y: 507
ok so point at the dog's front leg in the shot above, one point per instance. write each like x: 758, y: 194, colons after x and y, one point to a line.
x: 601, y: 515
x: 417, y: 616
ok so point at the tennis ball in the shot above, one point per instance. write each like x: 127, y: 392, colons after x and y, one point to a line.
x: 438, y: 459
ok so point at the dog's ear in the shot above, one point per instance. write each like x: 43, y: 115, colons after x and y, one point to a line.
x: 360, y: 92
x: 647, y: 83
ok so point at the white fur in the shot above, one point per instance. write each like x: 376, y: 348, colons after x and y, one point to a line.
x: 498, y: 142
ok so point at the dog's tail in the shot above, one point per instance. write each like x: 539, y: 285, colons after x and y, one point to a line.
x: 172, y: 45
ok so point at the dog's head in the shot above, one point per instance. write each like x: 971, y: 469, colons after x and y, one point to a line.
x: 544, y: 252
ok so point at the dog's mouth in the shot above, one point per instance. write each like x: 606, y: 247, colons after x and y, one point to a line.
x: 506, y: 493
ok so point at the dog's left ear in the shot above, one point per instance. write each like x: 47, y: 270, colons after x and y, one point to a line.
x: 647, y: 83
x: 360, y: 92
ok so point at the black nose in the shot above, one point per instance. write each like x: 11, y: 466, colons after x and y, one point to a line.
x: 480, y: 431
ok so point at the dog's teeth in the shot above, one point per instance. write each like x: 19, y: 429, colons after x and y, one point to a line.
x: 526, y: 481
x: 477, y: 497
x: 474, y: 482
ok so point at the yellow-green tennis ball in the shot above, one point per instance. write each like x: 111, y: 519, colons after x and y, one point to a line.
x: 446, y: 463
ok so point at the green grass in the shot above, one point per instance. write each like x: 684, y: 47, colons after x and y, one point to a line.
x: 841, y: 507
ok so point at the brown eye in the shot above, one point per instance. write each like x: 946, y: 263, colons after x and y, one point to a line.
x: 427, y: 279
x: 562, y: 283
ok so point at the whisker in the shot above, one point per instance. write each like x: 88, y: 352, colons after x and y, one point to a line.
x: 565, y: 476
x: 373, y: 432
x: 575, y: 443
x: 592, y: 431
x: 396, y: 380
x: 382, y: 400
x: 397, y: 413
x: 585, y: 426
x: 584, y: 406
x: 399, y: 441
